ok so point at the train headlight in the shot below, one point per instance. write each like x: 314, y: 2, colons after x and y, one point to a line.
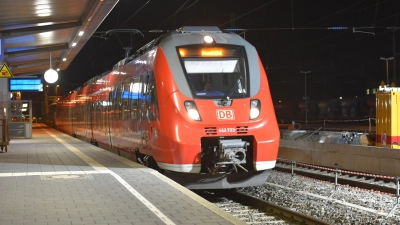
x: 255, y: 107
x: 208, y: 39
x: 192, y: 110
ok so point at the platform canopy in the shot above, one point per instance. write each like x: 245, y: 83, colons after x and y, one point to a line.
x: 31, y: 29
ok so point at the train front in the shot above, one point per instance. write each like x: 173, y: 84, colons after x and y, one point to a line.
x: 217, y: 116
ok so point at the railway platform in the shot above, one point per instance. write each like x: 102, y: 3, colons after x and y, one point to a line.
x: 56, y: 179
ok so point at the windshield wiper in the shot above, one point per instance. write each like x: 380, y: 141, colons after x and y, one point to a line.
x: 227, y: 95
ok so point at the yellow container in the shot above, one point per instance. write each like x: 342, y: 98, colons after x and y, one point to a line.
x: 387, y: 117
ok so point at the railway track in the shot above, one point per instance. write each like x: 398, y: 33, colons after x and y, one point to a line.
x: 370, y: 182
x: 286, y: 198
x: 379, y: 183
x: 256, y: 211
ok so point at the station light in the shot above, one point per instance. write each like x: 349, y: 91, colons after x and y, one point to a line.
x: 50, y: 76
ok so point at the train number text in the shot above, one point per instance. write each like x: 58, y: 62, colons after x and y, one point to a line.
x: 225, y: 130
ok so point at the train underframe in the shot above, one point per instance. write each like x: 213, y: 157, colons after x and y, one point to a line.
x: 225, y: 163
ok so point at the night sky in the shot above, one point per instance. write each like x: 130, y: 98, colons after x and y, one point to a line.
x: 289, y: 35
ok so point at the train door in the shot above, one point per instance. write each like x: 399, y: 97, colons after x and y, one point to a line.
x: 149, y: 108
x: 69, y: 120
x: 74, y: 120
x: 100, y: 124
x: 134, y: 109
x: 117, y: 112
x: 143, y: 110
x: 91, y: 119
x: 80, y: 117
x: 126, y: 96
x: 88, y: 118
x: 110, y: 112
x: 153, y: 111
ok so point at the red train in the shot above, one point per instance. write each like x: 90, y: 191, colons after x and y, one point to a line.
x: 156, y: 104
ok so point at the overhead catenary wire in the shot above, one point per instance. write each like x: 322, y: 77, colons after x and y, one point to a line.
x: 101, y: 45
x: 157, y: 30
x: 301, y: 27
x: 365, y: 26
x: 150, y: 31
x: 350, y: 29
x: 304, y: 27
x: 134, y: 14
x: 291, y: 4
x: 173, y: 14
x: 248, y: 12
x: 187, y: 5
x: 376, y: 13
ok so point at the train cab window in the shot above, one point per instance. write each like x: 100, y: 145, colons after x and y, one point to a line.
x: 213, y: 72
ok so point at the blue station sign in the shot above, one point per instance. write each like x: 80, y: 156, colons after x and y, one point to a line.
x: 1, y: 49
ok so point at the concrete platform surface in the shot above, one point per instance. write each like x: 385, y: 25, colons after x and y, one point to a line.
x: 56, y: 179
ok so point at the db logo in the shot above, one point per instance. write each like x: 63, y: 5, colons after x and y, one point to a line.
x: 226, y: 114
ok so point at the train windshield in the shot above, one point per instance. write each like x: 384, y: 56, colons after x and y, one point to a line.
x: 214, y: 72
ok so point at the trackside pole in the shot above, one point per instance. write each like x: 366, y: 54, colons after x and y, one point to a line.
x: 336, y: 183
x: 293, y: 163
x: 397, y: 198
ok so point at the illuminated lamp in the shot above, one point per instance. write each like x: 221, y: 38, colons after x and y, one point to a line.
x: 208, y: 39
x: 50, y: 76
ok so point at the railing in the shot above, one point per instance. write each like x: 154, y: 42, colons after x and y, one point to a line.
x: 4, y: 136
x: 296, y: 124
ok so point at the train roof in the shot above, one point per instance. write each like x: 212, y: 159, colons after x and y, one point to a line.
x: 152, y: 44
x: 192, y: 29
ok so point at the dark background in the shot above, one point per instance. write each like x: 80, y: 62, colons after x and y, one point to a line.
x: 289, y: 35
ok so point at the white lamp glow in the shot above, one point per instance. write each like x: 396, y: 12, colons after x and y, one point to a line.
x: 208, y: 39
x: 50, y: 76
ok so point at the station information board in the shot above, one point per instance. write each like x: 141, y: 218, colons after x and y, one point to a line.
x: 25, y: 84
